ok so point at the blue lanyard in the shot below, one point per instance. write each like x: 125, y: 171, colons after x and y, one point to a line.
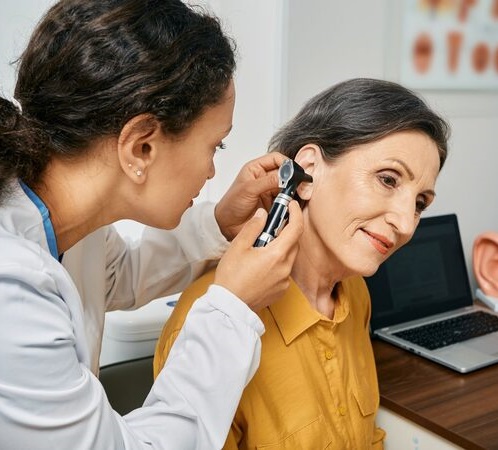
x: 47, y: 223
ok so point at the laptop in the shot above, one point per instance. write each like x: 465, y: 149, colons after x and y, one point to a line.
x: 422, y: 301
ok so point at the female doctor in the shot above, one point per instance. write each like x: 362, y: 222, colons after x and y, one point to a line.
x: 123, y: 104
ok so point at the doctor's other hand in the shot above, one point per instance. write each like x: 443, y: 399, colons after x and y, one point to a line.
x: 255, y: 186
x: 260, y: 275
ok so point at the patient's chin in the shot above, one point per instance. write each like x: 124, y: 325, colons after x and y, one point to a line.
x: 368, y: 272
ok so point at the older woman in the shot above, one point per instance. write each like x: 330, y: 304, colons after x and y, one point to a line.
x: 374, y: 150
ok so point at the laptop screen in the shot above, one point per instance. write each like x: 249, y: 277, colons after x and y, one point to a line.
x: 426, y: 276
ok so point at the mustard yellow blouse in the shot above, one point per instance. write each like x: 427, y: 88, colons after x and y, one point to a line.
x: 316, y: 386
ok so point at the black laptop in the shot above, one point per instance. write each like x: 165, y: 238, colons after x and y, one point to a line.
x: 422, y: 301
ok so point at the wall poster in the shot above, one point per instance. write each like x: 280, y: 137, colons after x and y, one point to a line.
x: 449, y: 44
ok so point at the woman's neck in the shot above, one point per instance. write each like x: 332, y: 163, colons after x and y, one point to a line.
x: 316, y: 276
x: 77, y: 197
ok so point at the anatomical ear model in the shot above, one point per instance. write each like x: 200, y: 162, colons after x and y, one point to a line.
x: 485, y: 265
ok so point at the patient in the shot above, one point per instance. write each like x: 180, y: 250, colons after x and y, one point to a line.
x: 374, y: 150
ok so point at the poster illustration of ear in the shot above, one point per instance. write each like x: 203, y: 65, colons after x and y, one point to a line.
x: 450, y: 44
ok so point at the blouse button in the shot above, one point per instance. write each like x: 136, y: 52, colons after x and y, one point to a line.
x: 328, y: 354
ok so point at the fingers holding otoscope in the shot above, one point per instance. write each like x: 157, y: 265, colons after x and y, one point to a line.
x: 259, y: 276
x: 265, y: 272
x: 290, y: 175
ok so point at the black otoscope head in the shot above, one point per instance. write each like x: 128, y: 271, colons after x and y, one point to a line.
x: 290, y: 175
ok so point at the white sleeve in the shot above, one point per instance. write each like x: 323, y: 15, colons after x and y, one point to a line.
x: 50, y: 400
x: 161, y: 262
x: 210, y: 363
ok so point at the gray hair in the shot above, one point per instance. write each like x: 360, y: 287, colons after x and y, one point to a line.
x: 356, y: 112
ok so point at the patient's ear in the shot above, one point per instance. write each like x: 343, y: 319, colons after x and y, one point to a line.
x: 308, y: 157
x: 485, y: 262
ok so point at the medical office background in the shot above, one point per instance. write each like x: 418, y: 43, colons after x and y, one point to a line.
x: 289, y: 50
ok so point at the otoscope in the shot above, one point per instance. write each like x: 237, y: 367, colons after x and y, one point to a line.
x: 290, y: 175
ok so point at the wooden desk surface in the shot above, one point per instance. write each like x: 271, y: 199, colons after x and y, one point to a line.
x: 461, y: 408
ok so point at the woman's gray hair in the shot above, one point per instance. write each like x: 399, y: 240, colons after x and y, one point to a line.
x: 356, y: 112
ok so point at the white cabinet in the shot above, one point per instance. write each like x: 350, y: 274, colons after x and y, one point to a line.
x: 403, y: 434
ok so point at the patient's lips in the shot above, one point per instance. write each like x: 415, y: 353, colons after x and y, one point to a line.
x: 381, y: 243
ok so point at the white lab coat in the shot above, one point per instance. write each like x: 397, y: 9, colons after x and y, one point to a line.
x: 50, y: 337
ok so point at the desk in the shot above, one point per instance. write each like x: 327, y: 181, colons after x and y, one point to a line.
x: 461, y: 408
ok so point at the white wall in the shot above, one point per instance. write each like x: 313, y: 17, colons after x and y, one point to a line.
x: 17, y: 20
x: 256, y: 27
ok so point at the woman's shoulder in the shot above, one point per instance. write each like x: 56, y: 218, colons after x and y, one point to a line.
x: 177, y: 318
x: 17, y: 251
x: 195, y: 290
x: 32, y: 280
x: 31, y: 267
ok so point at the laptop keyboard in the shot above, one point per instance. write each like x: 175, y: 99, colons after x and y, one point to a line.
x: 451, y: 331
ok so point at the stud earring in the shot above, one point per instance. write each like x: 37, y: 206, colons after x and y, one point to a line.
x: 138, y: 172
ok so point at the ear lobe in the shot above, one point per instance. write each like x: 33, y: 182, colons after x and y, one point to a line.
x: 485, y: 262
x: 308, y: 158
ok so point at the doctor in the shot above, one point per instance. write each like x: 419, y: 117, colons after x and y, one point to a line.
x: 123, y: 105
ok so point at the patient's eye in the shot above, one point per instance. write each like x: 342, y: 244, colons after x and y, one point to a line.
x: 422, y: 203
x: 388, y: 180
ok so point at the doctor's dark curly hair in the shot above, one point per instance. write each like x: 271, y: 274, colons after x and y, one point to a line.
x: 92, y: 65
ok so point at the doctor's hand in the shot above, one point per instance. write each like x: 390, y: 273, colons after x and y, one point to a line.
x: 255, y: 186
x: 260, y: 275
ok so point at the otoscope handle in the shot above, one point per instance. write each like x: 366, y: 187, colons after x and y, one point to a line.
x: 290, y: 175
x: 277, y: 218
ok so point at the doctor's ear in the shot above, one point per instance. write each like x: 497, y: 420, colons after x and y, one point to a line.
x: 308, y: 157
x: 485, y: 262
x: 138, y: 144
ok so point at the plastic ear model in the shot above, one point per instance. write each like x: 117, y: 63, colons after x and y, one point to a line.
x: 485, y: 265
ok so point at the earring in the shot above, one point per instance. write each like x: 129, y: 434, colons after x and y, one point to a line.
x: 138, y: 172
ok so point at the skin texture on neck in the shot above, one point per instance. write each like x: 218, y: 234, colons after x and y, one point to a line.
x: 77, y: 193
x: 316, y: 274
x: 318, y: 290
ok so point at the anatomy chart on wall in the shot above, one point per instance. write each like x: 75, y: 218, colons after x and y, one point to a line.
x: 450, y: 44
